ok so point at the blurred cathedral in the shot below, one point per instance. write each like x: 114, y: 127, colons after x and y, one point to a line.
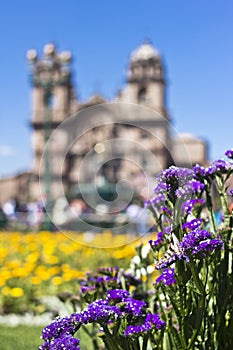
x: 136, y: 123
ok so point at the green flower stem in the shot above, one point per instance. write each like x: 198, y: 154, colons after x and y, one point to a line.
x: 201, y: 304
x: 92, y: 337
x: 223, y: 198
x: 145, y: 341
x: 109, y: 340
x: 196, y: 278
x: 152, y: 210
x: 209, y: 203
x: 199, y: 322
x: 179, y: 312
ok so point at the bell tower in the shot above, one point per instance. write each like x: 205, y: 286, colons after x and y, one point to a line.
x: 145, y: 79
x: 53, y: 100
x: 146, y: 86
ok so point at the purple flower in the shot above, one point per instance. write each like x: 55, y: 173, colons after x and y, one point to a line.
x: 134, y: 306
x: 182, y: 250
x: 131, y: 330
x: 208, y: 245
x: 161, y: 187
x: 193, y: 238
x: 58, y: 335
x: 202, y: 173
x: 166, y: 211
x: 87, y: 289
x: 160, y: 239
x: 192, y: 225
x: 175, y: 175
x: 57, y: 327
x: 151, y: 321
x: 169, y: 180
x: 167, y: 277
x: 155, y: 320
x: 222, y: 166
x: 230, y: 192
x: 147, y: 203
x: 191, y: 204
x: 100, y: 311
x: 229, y: 153
x: 67, y: 342
x: 45, y: 346
x: 199, y: 170
x: 191, y: 187
x: 117, y: 303
x: 196, y: 186
x: 117, y: 295
x: 199, y: 241
x: 99, y: 279
x: 158, y: 200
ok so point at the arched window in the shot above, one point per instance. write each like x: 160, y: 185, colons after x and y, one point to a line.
x: 142, y: 95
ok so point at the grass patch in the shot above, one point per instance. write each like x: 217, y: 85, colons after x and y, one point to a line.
x: 28, y: 338
x: 20, y: 337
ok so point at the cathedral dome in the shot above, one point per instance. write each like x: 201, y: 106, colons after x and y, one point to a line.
x: 144, y: 52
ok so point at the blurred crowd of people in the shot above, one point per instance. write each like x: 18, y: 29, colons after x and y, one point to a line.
x: 31, y: 215
x: 21, y: 215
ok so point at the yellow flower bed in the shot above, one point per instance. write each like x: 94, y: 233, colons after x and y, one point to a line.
x: 44, y: 263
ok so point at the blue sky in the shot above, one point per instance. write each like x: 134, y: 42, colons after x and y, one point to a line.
x: 194, y: 37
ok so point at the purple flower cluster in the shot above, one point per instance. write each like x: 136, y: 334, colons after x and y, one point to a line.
x: 189, y: 205
x: 87, y: 289
x: 99, y: 311
x: 192, y: 187
x: 208, y: 246
x: 218, y: 167
x: 229, y: 153
x: 117, y: 295
x: 59, y: 326
x: 202, y: 173
x: 59, y: 335
x: 151, y: 321
x: 192, y: 225
x: 161, y: 187
x: 159, y: 200
x: 193, y: 238
x: 166, y: 211
x: 174, y: 175
x: 118, y: 304
x: 168, y: 181
x: 134, y: 306
x: 160, y: 239
x: 167, y: 277
x: 198, y: 241
x: 94, y: 282
x: 194, y: 242
x: 222, y: 166
x: 67, y: 342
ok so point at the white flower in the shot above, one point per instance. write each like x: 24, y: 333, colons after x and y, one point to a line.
x: 145, y: 250
x: 136, y: 260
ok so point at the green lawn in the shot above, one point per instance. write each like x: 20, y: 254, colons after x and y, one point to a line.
x: 20, y: 338
x: 28, y: 338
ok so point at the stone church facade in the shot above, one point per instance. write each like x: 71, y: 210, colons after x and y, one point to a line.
x: 103, y: 141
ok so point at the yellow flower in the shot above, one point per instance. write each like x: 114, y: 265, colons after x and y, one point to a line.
x: 35, y: 280
x: 16, y: 292
x: 144, y: 279
x: 56, y: 280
